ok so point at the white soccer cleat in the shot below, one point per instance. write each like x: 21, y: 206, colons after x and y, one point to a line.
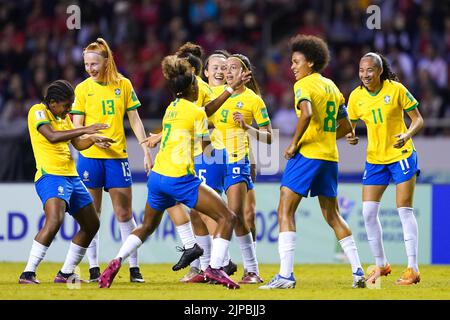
x: 358, y: 279
x: 279, y: 282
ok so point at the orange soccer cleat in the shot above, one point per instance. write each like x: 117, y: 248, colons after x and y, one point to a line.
x: 409, y: 276
x: 378, y: 272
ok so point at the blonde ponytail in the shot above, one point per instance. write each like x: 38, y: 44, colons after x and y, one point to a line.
x: 110, y: 75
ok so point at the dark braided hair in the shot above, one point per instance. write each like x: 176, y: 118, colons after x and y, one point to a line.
x: 59, y: 90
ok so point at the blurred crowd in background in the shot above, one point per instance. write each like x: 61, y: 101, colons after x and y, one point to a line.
x: 36, y: 47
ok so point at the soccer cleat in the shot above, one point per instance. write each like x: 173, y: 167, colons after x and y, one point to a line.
x: 94, y: 274
x: 358, y: 279
x: 280, y: 282
x: 68, y: 278
x: 28, y: 277
x: 136, y: 276
x: 230, y: 268
x: 219, y: 276
x: 409, y: 276
x: 107, y: 277
x: 250, y: 278
x: 188, y: 256
x: 194, y: 275
x: 378, y: 272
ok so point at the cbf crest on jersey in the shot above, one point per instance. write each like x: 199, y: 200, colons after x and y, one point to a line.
x: 117, y: 92
x: 60, y: 190
x: 387, y: 99
x: 239, y: 105
x: 298, y: 93
x: 40, y: 115
x: 85, y: 175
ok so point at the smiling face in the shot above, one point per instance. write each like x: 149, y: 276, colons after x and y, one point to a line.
x: 95, y: 65
x: 369, y: 73
x: 60, y: 109
x: 234, y: 67
x: 217, y: 67
x: 300, y: 66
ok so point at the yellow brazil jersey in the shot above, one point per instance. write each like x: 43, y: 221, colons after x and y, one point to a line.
x: 319, y: 139
x: 216, y: 136
x: 183, y: 122
x: 205, y: 95
x: 51, y: 158
x: 383, y: 115
x: 235, y: 138
x: 108, y: 104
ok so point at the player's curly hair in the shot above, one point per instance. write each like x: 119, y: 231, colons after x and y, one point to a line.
x: 313, y: 48
x: 193, y: 53
x: 178, y: 74
x: 59, y: 90
x: 246, y: 65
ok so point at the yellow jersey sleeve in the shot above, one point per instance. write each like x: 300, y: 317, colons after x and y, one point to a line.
x: 351, y: 107
x: 260, y: 113
x: 301, y: 92
x: 132, y: 100
x: 51, y: 158
x: 406, y: 100
x: 78, y: 106
x: 205, y: 94
x: 216, y: 135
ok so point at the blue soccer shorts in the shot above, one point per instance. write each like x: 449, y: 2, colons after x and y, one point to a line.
x: 164, y: 192
x: 104, y: 173
x: 312, y: 177
x: 70, y: 189
x: 400, y: 171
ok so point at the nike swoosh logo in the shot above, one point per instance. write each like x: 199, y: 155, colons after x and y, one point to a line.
x: 90, y: 94
x: 234, y: 177
x: 406, y: 172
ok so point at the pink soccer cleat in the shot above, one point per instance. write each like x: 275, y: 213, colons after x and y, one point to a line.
x: 219, y: 276
x: 107, y: 277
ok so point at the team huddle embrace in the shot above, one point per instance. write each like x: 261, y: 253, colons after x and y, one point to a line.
x: 205, y: 151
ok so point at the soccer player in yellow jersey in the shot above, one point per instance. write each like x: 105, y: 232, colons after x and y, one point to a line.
x: 312, y: 155
x: 106, y: 96
x: 234, y: 121
x: 192, y: 53
x: 381, y: 101
x: 57, y: 183
x: 173, y: 177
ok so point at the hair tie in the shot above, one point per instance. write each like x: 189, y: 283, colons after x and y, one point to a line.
x: 376, y: 56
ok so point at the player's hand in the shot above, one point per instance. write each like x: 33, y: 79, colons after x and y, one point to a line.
x: 101, y: 142
x: 352, y: 139
x: 152, y: 140
x: 238, y: 118
x: 290, y: 151
x: 242, y: 78
x: 95, y: 128
x: 148, y: 163
x: 401, y: 140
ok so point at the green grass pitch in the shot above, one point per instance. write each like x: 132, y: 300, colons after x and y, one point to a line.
x: 314, y: 282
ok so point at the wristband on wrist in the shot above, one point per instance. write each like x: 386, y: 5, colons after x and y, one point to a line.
x: 229, y: 89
